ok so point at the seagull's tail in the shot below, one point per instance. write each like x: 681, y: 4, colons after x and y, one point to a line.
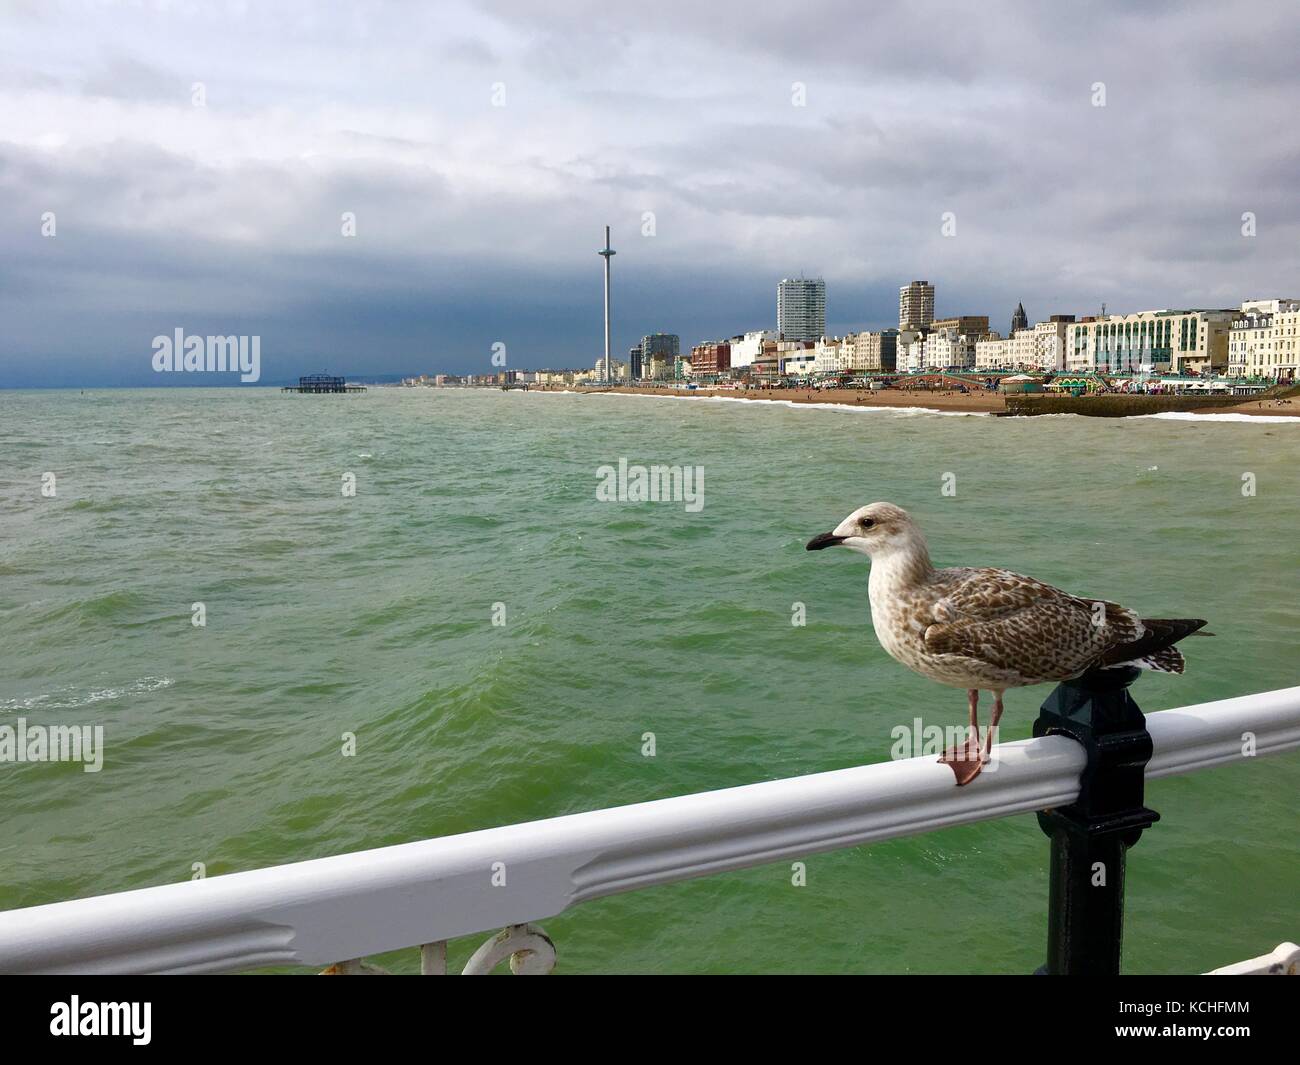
x: 1154, y: 649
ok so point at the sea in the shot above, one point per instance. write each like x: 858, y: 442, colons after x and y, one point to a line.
x: 232, y: 582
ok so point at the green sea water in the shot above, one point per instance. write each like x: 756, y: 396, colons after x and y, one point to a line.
x: 373, y: 614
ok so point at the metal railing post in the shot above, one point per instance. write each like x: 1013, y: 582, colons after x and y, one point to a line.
x: 1091, y: 837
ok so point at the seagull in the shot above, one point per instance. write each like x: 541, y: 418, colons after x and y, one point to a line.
x: 990, y: 629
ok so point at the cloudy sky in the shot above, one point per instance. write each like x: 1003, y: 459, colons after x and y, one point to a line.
x: 482, y: 146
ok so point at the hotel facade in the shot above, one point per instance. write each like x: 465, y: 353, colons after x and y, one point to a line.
x: 1166, y: 341
x: 1265, y: 340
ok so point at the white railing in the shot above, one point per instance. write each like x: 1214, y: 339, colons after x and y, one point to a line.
x: 348, y: 907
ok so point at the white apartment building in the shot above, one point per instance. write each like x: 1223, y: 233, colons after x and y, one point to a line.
x: 1250, y: 346
x: 800, y: 308
x: 1286, y: 343
x: 746, y: 349
x: 1049, y: 342
x: 949, y: 350
x: 1265, y: 340
x: 828, y: 354
x: 991, y: 354
x: 911, y: 356
x: 1022, y: 350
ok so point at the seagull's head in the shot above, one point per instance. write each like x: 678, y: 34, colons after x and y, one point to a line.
x: 875, y: 530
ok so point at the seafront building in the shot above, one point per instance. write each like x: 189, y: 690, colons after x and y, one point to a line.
x: 991, y: 353
x: 1286, y: 334
x: 1021, y: 348
x: 658, y: 351
x: 874, y: 352
x: 801, y: 308
x: 947, y: 349
x: 711, y: 357
x: 827, y: 355
x: 1263, y: 340
x: 1177, y: 341
x: 1049, y: 342
x: 618, y: 370
x: 971, y: 324
x: 916, y: 306
x: 1250, y: 345
x: 747, y: 348
x: 799, y: 363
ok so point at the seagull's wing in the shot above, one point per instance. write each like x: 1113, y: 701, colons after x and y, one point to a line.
x: 1020, y: 624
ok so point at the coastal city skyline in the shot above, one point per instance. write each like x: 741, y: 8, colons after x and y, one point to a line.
x: 434, y: 191
x: 1259, y: 339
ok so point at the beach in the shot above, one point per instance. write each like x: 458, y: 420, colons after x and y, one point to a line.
x: 979, y: 401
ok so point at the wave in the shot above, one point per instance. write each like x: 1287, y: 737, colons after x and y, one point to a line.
x: 1189, y: 416
x: 793, y: 404
x: 1267, y: 419
x: 68, y: 698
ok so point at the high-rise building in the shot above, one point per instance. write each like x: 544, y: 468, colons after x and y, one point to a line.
x: 801, y: 308
x: 916, y: 305
x: 634, y: 362
x: 661, y: 345
x: 1019, y: 320
x: 658, y: 350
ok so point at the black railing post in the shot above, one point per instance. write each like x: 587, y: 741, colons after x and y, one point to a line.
x: 1090, y: 837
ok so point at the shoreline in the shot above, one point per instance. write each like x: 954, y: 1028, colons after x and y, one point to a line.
x: 944, y: 402
x: 972, y: 403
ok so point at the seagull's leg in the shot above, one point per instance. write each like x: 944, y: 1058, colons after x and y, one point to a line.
x: 965, y: 760
x: 993, y: 724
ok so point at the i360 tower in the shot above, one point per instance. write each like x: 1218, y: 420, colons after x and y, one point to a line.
x: 606, y: 253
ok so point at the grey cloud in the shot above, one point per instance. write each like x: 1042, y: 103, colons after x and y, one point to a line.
x: 131, y: 79
x: 478, y: 223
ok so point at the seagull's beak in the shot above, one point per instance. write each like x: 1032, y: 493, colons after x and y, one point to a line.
x: 824, y: 540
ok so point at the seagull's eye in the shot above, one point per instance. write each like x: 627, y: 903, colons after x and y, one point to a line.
x: 867, y: 523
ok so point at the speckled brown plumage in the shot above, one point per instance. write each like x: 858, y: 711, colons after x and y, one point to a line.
x: 991, y: 629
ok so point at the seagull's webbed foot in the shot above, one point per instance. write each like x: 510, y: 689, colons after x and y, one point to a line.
x: 966, y: 761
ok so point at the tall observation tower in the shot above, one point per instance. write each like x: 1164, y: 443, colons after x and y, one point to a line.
x: 605, y: 253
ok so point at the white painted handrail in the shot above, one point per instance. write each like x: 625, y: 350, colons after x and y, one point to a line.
x: 1284, y: 960
x: 354, y: 905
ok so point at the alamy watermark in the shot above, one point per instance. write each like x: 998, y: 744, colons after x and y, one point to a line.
x: 919, y: 740
x: 651, y: 484
x: 53, y: 743
x: 215, y: 354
